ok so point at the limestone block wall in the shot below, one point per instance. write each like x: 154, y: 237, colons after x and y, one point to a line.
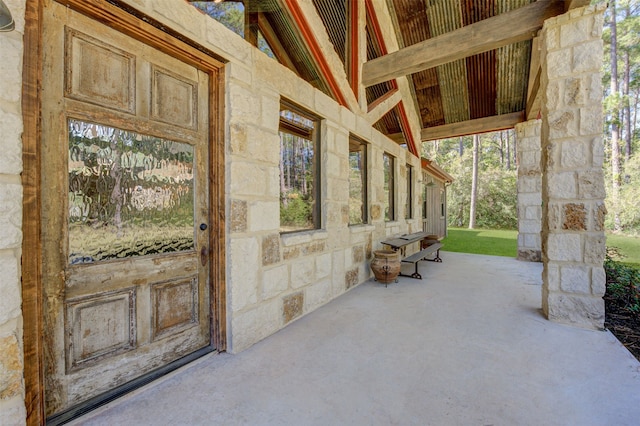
x: 529, y: 190
x: 12, y: 408
x: 273, y: 279
x: 573, y: 240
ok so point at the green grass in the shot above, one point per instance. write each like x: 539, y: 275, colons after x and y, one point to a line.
x: 482, y: 241
x: 505, y: 243
x: 629, y: 247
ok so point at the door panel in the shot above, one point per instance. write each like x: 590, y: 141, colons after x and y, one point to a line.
x: 125, y: 188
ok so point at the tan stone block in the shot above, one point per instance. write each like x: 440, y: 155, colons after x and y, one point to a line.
x: 575, y: 32
x: 351, y: 278
x: 598, y: 281
x: 10, y: 368
x: 13, y: 412
x: 357, y: 254
x: 291, y: 253
x: 551, y: 276
x: 338, y: 273
x: 270, y: 110
x: 275, y: 281
x: 564, y: 247
x: 11, y: 45
x: 264, y: 216
x: 574, y: 217
x: 573, y: 92
x: 557, y: 65
x: 302, y: 273
x: 238, y: 138
x: 554, y: 216
x: 184, y: 18
x: 10, y: 143
x: 587, y: 57
x: 375, y: 212
x: 599, y: 213
x: 243, y: 104
x: 10, y: 301
x: 323, y: 265
x: 597, y: 146
x: 563, y: 123
x: 591, y: 121
x: 10, y: 215
x: 561, y: 186
x: 270, y: 249
x: 594, y: 249
x: 238, y: 213
x: 591, y: 184
x: 575, y: 279
x: 573, y: 154
x: 318, y: 294
x: 292, y: 306
x: 578, y: 310
x: 253, y: 325
x: 244, y: 280
x: 228, y: 43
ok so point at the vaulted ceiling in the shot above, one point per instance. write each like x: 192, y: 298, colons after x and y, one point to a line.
x: 455, y: 66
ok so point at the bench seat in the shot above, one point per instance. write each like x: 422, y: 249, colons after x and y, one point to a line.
x: 421, y: 255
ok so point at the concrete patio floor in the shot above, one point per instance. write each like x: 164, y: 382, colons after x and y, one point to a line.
x: 466, y: 345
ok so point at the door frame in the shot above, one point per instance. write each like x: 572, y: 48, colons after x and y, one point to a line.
x: 128, y: 21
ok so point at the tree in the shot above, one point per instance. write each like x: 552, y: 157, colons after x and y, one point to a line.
x: 474, y: 182
x: 615, y: 119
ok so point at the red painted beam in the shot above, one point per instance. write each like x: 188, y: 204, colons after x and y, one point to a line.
x: 406, y: 129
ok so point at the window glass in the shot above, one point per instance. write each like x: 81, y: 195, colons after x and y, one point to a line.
x: 299, y: 170
x: 129, y: 194
x: 357, y: 181
x: 389, y: 201
x: 408, y: 211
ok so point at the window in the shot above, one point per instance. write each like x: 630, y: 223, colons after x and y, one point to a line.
x: 357, y: 181
x: 389, y: 201
x: 408, y: 211
x: 424, y: 195
x: 299, y: 170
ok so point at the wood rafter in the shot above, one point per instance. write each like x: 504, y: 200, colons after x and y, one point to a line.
x: 382, y: 105
x: 274, y: 43
x: 486, y: 35
x: 479, y: 125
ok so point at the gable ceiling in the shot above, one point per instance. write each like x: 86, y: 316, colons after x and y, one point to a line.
x: 470, y: 65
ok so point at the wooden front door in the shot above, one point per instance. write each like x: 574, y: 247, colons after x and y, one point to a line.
x: 125, y: 209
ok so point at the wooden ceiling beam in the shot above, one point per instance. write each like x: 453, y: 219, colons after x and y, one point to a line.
x: 489, y: 34
x: 382, y: 105
x: 533, y: 87
x: 470, y: 127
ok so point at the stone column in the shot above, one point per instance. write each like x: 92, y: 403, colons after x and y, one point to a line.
x: 573, y: 240
x: 529, y: 190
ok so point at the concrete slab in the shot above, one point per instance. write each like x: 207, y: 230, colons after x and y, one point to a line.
x: 466, y: 345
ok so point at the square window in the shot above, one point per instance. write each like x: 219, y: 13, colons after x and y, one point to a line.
x: 357, y: 181
x: 389, y: 200
x: 299, y: 169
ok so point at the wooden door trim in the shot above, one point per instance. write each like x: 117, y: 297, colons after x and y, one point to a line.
x: 31, y: 223
x: 128, y: 21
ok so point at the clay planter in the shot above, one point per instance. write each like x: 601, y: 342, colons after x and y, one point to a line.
x: 385, y: 265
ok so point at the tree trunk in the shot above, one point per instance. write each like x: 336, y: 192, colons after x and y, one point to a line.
x: 508, y: 150
x: 615, y: 136
x: 502, y: 149
x: 627, y: 108
x: 460, y: 146
x: 474, y: 182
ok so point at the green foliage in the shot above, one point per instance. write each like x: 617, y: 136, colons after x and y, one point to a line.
x: 496, y: 205
x: 482, y: 241
x: 623, y: 282
x: 296, y: 211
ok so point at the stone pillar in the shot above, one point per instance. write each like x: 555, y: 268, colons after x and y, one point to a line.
x: 529, y: 190
x: 573, y: 240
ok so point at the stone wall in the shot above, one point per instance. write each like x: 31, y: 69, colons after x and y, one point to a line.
x: 272, y: 278
x: 12, y: 408
x: 573, y: 240
x: 529, y: 190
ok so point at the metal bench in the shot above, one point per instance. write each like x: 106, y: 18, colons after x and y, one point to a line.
x: 422, y: 255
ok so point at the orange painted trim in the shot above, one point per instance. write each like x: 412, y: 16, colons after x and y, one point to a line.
x: 316, y: 52
x: 354, y: 42
x: 406, y: 129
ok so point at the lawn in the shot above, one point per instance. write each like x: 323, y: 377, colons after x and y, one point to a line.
x: 505, y: 243
x: 496, y: 242
x: 629, y: 247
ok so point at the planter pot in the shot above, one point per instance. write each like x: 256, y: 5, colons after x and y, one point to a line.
x: 385, y: 265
